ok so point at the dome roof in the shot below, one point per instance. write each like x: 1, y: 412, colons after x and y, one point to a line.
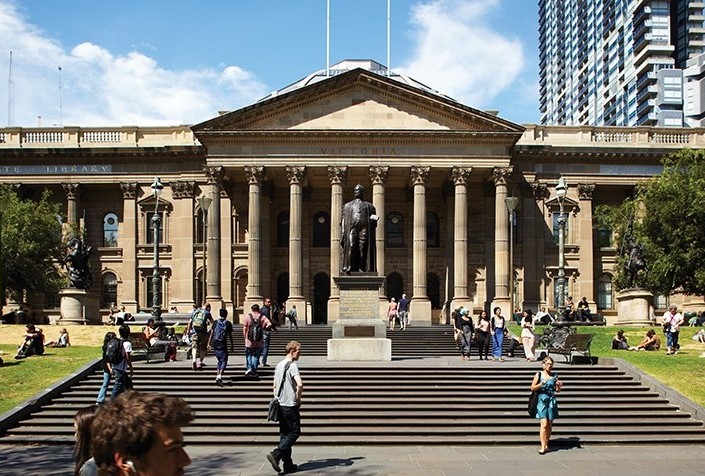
x: 349, y: 65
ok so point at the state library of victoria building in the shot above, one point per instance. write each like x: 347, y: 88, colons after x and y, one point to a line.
x: 279, y: 171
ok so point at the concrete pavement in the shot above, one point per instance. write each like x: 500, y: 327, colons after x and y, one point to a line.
x: 685, y: 460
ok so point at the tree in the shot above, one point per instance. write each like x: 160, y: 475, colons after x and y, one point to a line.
x: 31, y: 246
x: 667, y: 213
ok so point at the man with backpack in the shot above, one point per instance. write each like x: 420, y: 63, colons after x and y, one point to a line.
x: 119, y: 362
x: 266, y: 311
x: 222, y: 330
x: 253, y: 331
x: 198, y: 326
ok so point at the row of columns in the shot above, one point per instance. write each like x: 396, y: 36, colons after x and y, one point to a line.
x: 296, y: 175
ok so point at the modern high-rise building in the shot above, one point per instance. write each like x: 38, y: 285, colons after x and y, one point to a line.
x: 617, y: 62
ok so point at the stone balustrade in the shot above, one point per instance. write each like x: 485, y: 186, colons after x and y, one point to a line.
x: 69, y: 137
x: 657, y: 137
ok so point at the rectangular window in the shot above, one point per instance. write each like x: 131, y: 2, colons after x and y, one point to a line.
x: 150, y: 228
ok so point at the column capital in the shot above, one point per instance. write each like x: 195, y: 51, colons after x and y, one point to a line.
x: 586, y: 191
x: 460, y: 175
x: 72, y: 190
x: 419, y: 174
x: 183, y: 188
x: 296, y: 174
x: 501, y: 174
x: 337, y: 174
x: 214, y: 173
x: 379, y: 174
x: 129, y: 189
x: 254, y: 174
x: 540, y: 190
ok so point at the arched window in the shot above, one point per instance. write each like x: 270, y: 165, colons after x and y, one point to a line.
x: 395, y: 230
x: 283, y: 230
x: 110, y: 230
x: 108, y: 295
x: 321, y: 230
x: 283, y: 288
x: 433, y: 230
x: 395, y: 286
x: 604, y: 292
x: 433, y: 289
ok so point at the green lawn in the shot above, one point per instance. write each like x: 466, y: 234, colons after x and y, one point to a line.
x: 683, y: 372
x: 21, y: 379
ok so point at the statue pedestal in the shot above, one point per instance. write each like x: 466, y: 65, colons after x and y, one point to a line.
x: 359, y: 333
x: 79, y: 306
x: 634, y: 307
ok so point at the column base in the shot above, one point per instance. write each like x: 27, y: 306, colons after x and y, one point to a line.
x: 333, y: 309
x: 420, y: 312
x: 79, y: 306
x: 634, y: 307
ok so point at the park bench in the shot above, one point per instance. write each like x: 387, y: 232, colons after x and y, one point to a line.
x: 140, y: 345
x: 573, y: 344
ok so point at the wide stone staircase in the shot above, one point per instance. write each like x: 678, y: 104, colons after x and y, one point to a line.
x: 426, y: 395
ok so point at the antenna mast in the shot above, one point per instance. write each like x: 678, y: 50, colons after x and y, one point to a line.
x: 10, y: 96
x: 61, y: 104
x: 389, y: 37
x: 327, y: 37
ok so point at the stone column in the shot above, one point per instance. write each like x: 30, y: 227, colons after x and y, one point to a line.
x: 337, y: 176
x: 255, y: 176
x: 587, y: 273
x: 72, y: 191
x: 214, y: 176
x: 378, y: 177
x: 500, y: 175
x: 420, y: 307
x: 127, y: 239
x: 296, y: 176
x: 181, y: 283
x: 460, y: 177
x: 534, y: 262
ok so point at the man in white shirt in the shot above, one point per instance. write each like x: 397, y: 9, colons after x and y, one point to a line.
x: 542, y: 317
x: 672, y: 320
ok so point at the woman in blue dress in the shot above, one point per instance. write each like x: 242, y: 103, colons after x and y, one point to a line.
x: 546, y: 383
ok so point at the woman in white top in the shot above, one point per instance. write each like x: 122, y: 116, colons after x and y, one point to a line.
x: 392, y: 313
x: 528, y: 338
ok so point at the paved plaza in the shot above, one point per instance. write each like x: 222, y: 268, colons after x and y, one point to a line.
x: 413, y: 460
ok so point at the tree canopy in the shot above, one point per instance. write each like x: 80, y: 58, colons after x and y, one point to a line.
x: 31, y: 246
x: 666, y: 216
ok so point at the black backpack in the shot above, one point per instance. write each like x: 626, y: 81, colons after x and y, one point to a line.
x: 114, y: 351
x: 255, y: 333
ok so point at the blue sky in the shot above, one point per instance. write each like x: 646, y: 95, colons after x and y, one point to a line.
x: 169, y: 62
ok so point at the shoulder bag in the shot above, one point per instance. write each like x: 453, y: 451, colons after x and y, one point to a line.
x: 274, y: 411
x: 533, y: 402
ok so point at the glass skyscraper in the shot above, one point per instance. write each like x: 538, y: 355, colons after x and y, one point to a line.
x: 617, y: 62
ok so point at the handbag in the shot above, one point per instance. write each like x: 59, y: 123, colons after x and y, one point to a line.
x: 274, y: 412
x: 533, y: 403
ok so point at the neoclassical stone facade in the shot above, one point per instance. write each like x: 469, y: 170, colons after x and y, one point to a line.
x: 279, y: 171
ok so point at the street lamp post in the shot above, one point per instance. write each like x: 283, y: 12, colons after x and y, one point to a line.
x: 4, y: 202
x: 561, y: 190
x: 157, y: 189
x: 204, y: 202
x: 511, y: 203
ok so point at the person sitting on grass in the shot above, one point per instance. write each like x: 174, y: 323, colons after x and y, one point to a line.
x: 650, y: 342
x: 619, y: 342
x: 33, y: 343
x: 62, y: 341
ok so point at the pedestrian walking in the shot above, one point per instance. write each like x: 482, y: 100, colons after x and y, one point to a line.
x: 672, y: 320
x: 464, y: 324
x: 546, y: 383
x: 253, y: 332
x: 221, y: 334
x: 293, y: 316
x: 403, y: 311
x: 121, y: 368
x: 266, y: 311
x: 106, y: 369
x: 197, y: 328
x: 499, y: 325
x: 287, y: 374
x: 483, y: 333
x: 528, y: 338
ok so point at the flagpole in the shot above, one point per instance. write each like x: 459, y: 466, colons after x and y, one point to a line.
x: 389, y: 37
x: 327, y: 37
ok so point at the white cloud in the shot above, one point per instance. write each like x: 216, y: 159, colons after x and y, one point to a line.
x: 457, y: 53
x: 101, y: 88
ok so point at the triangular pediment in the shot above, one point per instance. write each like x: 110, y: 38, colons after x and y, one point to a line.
x: 358, y: 100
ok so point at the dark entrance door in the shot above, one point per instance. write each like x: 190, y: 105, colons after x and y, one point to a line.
x: 395, y: 286
x: 321, y: 294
